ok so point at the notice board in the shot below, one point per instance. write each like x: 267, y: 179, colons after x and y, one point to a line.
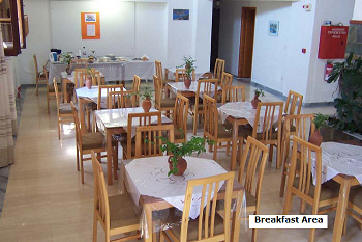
x: 90, y: 25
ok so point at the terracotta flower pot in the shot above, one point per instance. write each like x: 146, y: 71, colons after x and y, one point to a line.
x: 88, y: 83
x: 187, y: 83
x: 316, y: 137
x: 146, y: 105
x: 181, y: 165
x: 255, y: 102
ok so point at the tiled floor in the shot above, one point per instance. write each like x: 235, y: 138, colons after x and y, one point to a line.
x: 45, y: 200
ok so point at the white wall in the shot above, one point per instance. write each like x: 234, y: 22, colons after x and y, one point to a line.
x: 357, y: 13
x: 319, y: 90
x: 37, y: 42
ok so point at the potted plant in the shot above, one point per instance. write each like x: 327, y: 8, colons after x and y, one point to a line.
x: 189, y: 68
x: 147, y: 96
x: 348, y: 74
x: 67, y: 58
x: 319, y: 121
x: 257, y: 93
x: 176, y: 161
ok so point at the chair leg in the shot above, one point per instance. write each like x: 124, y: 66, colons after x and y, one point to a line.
x: 228, y: 148
x: 94, y: 227
x: 59, y: 126
x: 215, y: 151
x: 78, y: 158
x: 36, y: 87
x: 115, y: 163
x: 196, y: 115
x: 282, y: 181
x: 271, y: 153
x: 48, y: 101
x: 82, y: 167
x: 254, y: 234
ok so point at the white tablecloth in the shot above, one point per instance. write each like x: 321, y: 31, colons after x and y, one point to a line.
x: 112, y: 71
x: 148, y: 176
x: 244, y: 110
x: 339, y: 158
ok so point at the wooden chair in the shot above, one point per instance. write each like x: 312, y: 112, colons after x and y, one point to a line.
x: 300, y: 125
x: 135, y: 97
x: 180, y: 75
x: 270, y: 128
x: 205, y: 86
x: 109, y: 88
x: 115, y: 213
x: 233, y: 94
x: 162, y: 103
x: 212, y: 129
x: 226, y: 82
x: 79, y: 77
x: 64, y: 111
x: 88, y: 142
x: 300, y: 181
x: 355, y: 205
x: 218, y: 70
x: 293, y: 100
x: 137, y: 119
x: 119, y: 98
x: 148, y: 139
x: 251, y: 175
x: 180, y: 118
x: 50, y: 88
x: 209, y: 226
x: 40, y: 77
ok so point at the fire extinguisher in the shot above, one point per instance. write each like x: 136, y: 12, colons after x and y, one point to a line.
x: 329, y: 69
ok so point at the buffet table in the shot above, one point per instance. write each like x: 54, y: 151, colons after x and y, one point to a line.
x: 112, y: 70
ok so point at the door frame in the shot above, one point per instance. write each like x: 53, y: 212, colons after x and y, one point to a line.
x: 242, y: 53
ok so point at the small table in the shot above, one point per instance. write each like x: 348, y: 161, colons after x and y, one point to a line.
x: 114, y: 121
x: 239, y: 114
x: 150, y: 187
x: 345, y: 177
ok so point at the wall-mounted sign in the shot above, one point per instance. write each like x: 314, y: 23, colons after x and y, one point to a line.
x: 90, y: 25
x: 273, y: 27
x: 181, y: 14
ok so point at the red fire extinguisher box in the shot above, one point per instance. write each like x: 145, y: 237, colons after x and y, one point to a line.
x: 333, y: 42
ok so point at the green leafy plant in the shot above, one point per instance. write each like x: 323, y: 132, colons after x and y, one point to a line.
x: 348, y: 74
x: 146, y: 94
x: 189, y: 65
x: 259, y: 92
x: 320, y: 120
x: 67, y: 58
x: 195, y: 144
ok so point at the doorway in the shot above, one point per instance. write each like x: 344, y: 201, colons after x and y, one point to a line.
x: 246, y: 41
x: 215, y: 33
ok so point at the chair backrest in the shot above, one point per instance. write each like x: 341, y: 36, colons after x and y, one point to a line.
x: 158, y: 91
x: 35, y: 66
x: 270, y: 110
x: 117, y: 98
x: 180, y: 114
x: 218, y: 68
x: 101, y: 201
x: 57, y: 97
x: 253, y: 161
x: 211, y: 117
x: 79, y: 77
x: 158, y: 67
x: 233, y: 94
x: 300, y: 125
x: 109, y: 88
x: 148, y: 139
x: 77, y: 124
x: 300, y: 171
x: 293, y: 105
x: 180, y: 75
x: 135, y: 97
x: 206, y: 221
x: 138, y: 120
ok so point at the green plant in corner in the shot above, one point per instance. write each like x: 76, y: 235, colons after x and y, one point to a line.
x: 348, y: 74
x: 320, y: 120
x: 195, y: 144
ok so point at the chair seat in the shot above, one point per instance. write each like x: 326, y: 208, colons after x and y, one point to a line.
x: 168, y: 103
x: 93, y: 141
x: 121, y: 211
x: 193, y: 228
x: 247, y: 130
x: 329, y: 189
x: 65, y: 108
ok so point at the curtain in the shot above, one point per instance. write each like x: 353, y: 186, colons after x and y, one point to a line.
x: 8, y: 115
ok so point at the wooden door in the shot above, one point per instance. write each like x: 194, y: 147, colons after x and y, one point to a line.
x: 246, y: 41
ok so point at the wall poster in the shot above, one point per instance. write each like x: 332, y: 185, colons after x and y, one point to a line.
x: 90, y: 25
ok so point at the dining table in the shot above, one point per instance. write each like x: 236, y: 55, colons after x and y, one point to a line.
x: 115, y: 121
x: 341, y: 162
x: 240, y: 114
x: 113, y: 70
x: 152, y: 191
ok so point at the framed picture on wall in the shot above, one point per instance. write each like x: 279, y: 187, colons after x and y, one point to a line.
x: 181, y: 14
x: 273, y: 28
